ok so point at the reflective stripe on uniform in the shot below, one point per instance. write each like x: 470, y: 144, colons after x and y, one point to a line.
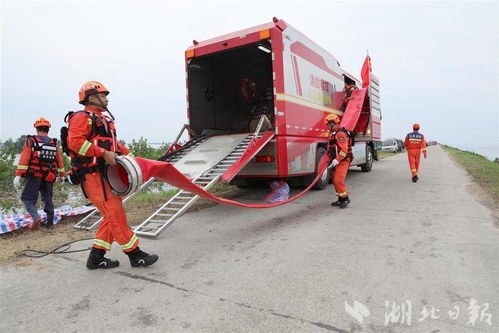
x: 131, y: 155
x: 341, y: 194
x: 84, y: 147
x: 102, y: 243
x: 342, y: 153
x: 412, y: 139
x: 413, y: 170
x: 22, y: 167
x: 130, y: 244
x: 60, y: 169
x: 423, y: 149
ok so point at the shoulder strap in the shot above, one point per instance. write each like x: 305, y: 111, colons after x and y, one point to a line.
x: 347, y: 133
x: 350, y: 135
x: 33, y: 141
x: 29, y: 141
x: 70, y: 114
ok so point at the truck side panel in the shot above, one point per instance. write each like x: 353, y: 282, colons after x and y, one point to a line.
x: 313, y: 85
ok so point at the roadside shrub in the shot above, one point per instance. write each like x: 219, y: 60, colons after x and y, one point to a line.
x: 8, y: 151
x: 140, y: 148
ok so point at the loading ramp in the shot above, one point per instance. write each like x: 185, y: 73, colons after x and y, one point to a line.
x: 205, y: 160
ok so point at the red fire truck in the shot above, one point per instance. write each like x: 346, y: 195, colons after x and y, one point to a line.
x: 257, y: 100
x: 273, y: 71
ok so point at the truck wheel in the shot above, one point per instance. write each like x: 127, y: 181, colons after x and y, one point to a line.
x: 366, y: 167
x: 324, y: 180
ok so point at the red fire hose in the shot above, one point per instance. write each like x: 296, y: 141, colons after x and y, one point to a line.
x: 130, y: 172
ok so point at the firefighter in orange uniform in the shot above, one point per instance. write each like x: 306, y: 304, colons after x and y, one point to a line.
x: 415, y: 145
x: 91, y: 142
x: 340, y: 150
x: 40, y: 162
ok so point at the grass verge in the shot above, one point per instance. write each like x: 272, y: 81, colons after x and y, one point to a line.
x: 385, y: 154
x: 483, y: 171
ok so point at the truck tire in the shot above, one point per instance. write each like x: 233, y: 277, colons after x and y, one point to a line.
x: 366, y: 167
x: 326, y: 175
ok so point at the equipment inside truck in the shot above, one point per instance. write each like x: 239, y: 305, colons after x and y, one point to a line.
x: 230, y: 90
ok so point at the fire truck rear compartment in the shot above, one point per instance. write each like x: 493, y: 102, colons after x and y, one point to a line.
x: 229, y: 90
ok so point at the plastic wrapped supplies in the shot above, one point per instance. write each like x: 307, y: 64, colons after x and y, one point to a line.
x: 280, y: 191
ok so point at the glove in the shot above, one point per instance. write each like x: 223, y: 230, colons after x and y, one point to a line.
x: 17, y: 183
x: 334, y: 163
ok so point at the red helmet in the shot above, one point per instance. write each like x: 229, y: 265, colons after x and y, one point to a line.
x: 415, y: 126
x: 41, y: 122
x: 332, y: 118
x: 91, y: 88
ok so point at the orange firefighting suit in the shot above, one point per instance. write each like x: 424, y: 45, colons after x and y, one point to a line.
x: 415, y: 144
x: 39, y: 175
x: 83, y: 141
x: 341, y: 150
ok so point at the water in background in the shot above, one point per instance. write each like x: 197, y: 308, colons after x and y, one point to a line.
x: 489, y: 151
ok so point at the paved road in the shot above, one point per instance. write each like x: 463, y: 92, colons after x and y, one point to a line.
x: 423, y: 249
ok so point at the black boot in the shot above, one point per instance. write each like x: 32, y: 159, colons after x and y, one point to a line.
x: 415, y: 179
x: 140, y: 258
x: 344, y: 202
x: 50, y: 219
x: 336, y: 203
x: 96, y: 260
x: 48, y: 224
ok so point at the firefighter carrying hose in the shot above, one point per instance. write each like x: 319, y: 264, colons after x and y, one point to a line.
x: 39, y: 163
x: 415, y: 145
x: 91, y: 143
x: 340, y: 150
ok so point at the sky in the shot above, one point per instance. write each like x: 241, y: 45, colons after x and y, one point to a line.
x: 438, y: 62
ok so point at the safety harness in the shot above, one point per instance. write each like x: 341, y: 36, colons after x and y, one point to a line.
x: 43, y: 162
x: 351, y: 142
x: 102, y: 134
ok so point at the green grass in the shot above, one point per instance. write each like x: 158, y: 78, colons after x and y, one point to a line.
x: 147, y: 197
x: 484, y: 171
x: 385, y: 154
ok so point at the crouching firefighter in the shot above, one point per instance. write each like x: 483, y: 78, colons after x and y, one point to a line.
x: 39, y: 163
x: 340, y: 151
x: 91, y: 142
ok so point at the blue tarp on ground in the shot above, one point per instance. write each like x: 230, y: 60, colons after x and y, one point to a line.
x: 11, y: 222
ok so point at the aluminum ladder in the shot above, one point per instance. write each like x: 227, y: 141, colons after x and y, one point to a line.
x: 183, y: 200
x: 93, y: 219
